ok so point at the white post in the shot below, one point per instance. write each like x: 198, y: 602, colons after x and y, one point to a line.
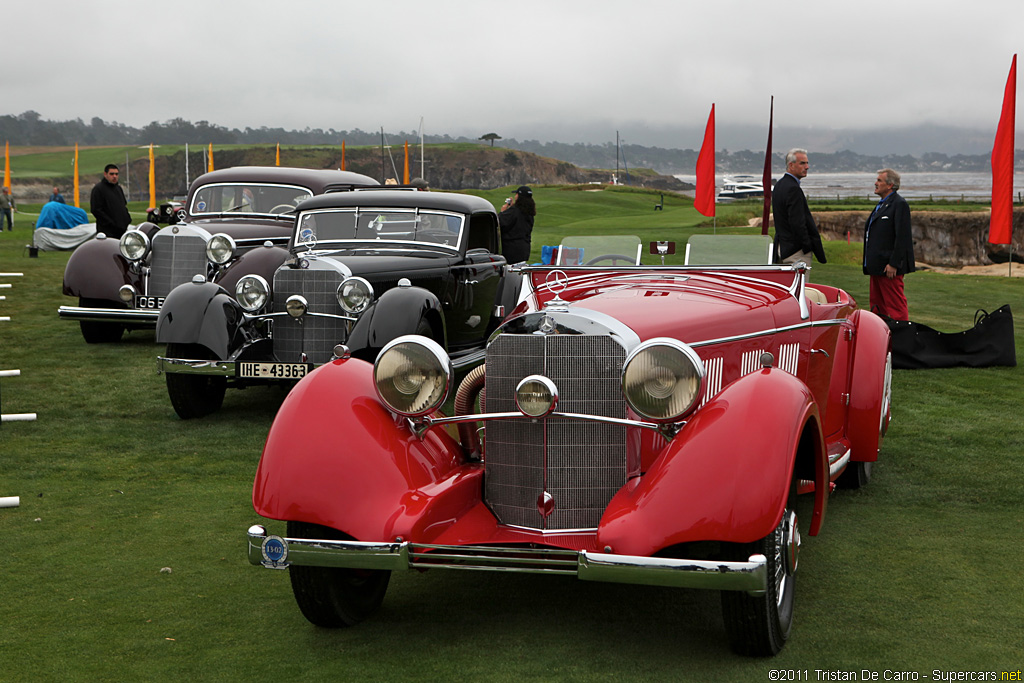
x: 10, y: 502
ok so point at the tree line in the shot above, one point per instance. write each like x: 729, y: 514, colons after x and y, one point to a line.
x: 29, y: 128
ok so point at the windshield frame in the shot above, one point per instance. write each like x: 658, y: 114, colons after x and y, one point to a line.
x: 193, y: 211
x: 299, y: 243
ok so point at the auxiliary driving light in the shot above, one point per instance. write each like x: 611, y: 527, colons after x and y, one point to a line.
x: 296, y: 305
x: 536, y: 396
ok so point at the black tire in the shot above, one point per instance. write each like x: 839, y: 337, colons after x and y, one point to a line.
x: 855, y: 476
x: 96, y: 332
x: 194, y: 395
x: 330, y: 597
x: 759, y: 626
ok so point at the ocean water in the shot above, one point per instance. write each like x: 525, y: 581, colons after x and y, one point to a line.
x: 951, y: 186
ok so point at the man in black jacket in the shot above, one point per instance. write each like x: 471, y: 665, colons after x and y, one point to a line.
x: 888, y: 248
x: 108, y: 204
x: 796, y: 235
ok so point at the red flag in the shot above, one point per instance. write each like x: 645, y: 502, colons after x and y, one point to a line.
x: 766, y: 177
x: 1001, y: 221
x: 704, y: 201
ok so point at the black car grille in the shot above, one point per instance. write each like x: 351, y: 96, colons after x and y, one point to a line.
x: 312, y: 335
x: 581, y: 464
x: 176, y: 258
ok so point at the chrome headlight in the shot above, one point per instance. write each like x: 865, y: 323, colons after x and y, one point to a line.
x: 296, y: 305
x: 220, y: 249
x: 134, y: 245
x: 413, y: 375
x: 354, y: 295
x: 536, y: 396
x: 252, y: 292
x: 662, y: 379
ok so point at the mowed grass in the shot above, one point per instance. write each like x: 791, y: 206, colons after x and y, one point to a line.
x: 126, y: 558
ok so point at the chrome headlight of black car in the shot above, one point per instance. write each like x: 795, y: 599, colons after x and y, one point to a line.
x: 134, y: 245
x: 413, y: 375
x: 220, y: 249
x: 354, y: 295
x: 662, y: 379
x: 252, y: 292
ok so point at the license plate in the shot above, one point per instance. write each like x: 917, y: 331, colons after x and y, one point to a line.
x: 273, y: 370
x: 149, y: 303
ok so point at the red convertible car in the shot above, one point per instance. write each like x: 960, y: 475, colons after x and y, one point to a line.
x: 657, y: 425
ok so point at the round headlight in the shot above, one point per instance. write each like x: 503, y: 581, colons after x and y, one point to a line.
x: 134, y: 245
x: 126, y: 293
x: 413, y: 375
x: 296, y: 305
x: 537, y: 396
x: 662, y: 379
x: 355, y: 294
x: 220, y: 248
x: 252, y: 292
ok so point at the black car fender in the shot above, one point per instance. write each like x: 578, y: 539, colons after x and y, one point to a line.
x: 263, y: 261
x: 201, y: 313
x: 396, y: 312
x: 97, y: 270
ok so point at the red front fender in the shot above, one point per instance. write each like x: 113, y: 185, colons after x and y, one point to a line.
x: 334, y: 456
x: 726, y: 476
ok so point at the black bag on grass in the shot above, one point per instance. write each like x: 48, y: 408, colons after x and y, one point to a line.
x: 989, y: 342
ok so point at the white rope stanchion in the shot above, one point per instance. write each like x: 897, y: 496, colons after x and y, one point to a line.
x: 10, y: 502
x: 18, y: 417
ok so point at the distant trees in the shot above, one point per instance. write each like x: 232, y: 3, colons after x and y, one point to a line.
x: 490, y: 137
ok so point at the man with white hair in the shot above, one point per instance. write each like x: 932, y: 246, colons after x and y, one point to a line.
x: 796, y: 235
x: 888, y: 248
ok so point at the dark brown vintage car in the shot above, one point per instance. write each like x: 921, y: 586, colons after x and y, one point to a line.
x: 122, y: 284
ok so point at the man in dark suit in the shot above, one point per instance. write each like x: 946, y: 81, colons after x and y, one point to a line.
x: 888, y: 248
x: 796, y: 235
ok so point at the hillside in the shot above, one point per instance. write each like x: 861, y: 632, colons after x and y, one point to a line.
x: 445, y: 167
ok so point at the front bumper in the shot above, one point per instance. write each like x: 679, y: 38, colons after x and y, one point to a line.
x: 184, y: 366
x: 278, y: 553
x: 131, y: 316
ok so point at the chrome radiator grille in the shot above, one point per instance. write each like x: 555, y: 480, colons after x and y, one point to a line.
x: 583, y: 463
x: 176, y: 258
x: 314, y: 335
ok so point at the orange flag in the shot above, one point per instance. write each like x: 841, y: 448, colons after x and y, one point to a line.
x: 7, y: 165
x: 279, y: 154
x: 209, y: 160
x: 152, y: 179
x: 76, y: 176
x: 342, y: 155
x: 1000, y: 229
x: 704, y: 201
x: 405, y: 178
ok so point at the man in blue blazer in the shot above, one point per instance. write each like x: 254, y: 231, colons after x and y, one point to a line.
x: 796, y: 235
x: 888, y: 248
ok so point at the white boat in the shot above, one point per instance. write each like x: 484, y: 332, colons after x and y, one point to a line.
x: 740, y: 187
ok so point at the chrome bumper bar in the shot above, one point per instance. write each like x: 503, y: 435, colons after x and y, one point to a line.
x: 184, y: 366
x: 109, y: 315
x: 276, y: 552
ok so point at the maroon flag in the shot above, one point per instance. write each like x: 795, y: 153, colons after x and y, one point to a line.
x: 704, y: 201
x: 766, y: 177
x: 1001, y: 222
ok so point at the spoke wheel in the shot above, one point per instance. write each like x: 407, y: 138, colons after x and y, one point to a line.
x: 194, y: 395
x: 331, y: 597
x: 758, y: 626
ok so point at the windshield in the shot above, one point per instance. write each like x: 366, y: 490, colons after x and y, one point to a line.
x: 432, y: 227
x: 247, y: 198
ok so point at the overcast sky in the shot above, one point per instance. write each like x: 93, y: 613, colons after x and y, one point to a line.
x: 571, y: 71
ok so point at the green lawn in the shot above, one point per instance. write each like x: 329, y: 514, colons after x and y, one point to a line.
x: 126, y: 558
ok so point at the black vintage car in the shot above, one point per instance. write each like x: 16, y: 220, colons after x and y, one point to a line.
x: 362, y: 268
x: 122, y: 284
